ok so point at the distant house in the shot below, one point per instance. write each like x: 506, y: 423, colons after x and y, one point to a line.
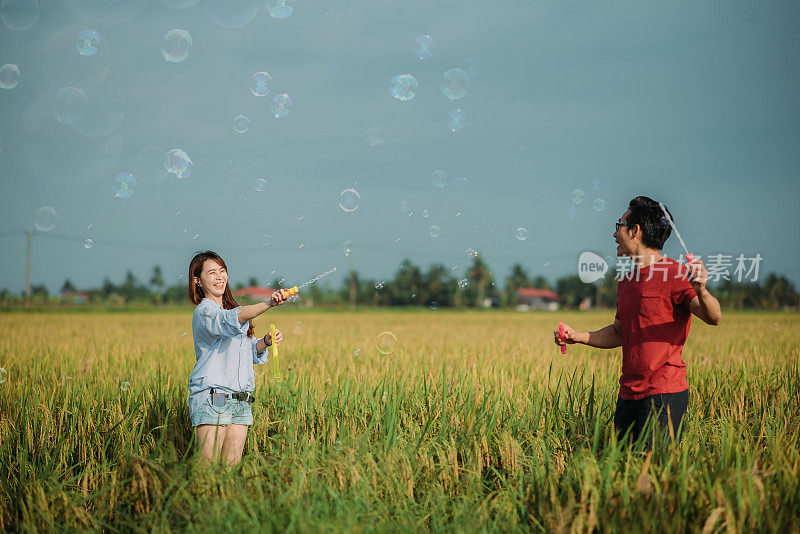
x: 75, y: 297
x: 529, y: 298
x: 256, y: 293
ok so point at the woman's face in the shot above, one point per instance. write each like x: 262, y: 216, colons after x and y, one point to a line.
x: 213, y: 279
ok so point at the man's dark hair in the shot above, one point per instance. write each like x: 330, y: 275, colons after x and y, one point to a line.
x: 651, y: 219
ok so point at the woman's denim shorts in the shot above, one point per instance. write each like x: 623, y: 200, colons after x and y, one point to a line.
x: 235, y: 412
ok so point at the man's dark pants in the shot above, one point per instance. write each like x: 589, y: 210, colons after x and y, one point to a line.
x: 665, y: 407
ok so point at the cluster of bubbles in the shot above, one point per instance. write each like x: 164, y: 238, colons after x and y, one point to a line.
x: 9, y: 76
x: 377, y: 135
x: 463, y: 284
x: 281, y: 105
x: 176, y: 45
x: 280, y: 9
x: 455, y: 82
x: 425, y: 45
x: 578, y: 195
x: 387, y: 342
x: 380, y: 285
x: 179, y: 163
x: 124, y: 185
x: 456, y: 118
x: 403, y: 86
x: 521, y: 233
x: 19, y: 15
x: 439, y: 179
x: 472, y: 253
x: 348, y: 200
x: 45, y: 219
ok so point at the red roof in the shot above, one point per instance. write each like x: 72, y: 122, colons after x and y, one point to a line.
x: 255, y: 292
x: 530, y: 292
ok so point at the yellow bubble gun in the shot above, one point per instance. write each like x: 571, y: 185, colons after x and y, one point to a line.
x: 291, y: 291
x: 276, y: 366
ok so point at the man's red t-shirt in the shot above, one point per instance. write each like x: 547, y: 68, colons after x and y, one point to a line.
x: 655, y: 318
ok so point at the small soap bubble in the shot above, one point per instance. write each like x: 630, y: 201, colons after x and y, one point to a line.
x: 88, y: 243
x: 571, y: 212
x: 357, y: 352
x: 776, y: 326
x: 179, y: 163
x: 596, y: 184
x: 387, y: 342
x: 266, y: 240
x: 45, y: 219
x: 402, y: 86
x: 434, y: 305
x: 521, y: 233
x: 281, y: 105
x: 599, y: 204
x: 176, y: 45
x: 124, y: 185
x: 377, y: 135
x: 298, y: 327
x: 70, y: 105
x: 425, y: 45
x: 195, y: 236
x: 241, y: 123
x: 261, y: 184
x: 454, y: 85
x: 470, y: 66
x: 380, y: 285
x: 347, y: 247
x: 280, y: 9
x: 19, y: 15
x: 260, y: 83
x: 9, y: 76
x: 124, y: 386
x: 577, y: 196
x: 403, y: 206
x: 439, y: 178
x: 457, y: 117
x: 463, y: 283
x: 472, y: 253
x: 426, y: 213
x: 348, y: 200
x: 3, y: 375
x: 434, y: 231
x: 88, y: 42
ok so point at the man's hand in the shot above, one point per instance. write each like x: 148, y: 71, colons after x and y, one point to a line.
x: 698, y: 275
x: 278, y: 338
x: 278, y: 298
x: 570, y: 336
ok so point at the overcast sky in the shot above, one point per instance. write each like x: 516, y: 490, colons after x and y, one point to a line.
x: 696, y: 104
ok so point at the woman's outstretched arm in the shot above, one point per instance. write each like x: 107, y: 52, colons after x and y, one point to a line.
x: 252, y: 311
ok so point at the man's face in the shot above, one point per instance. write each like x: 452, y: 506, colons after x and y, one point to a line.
x: 213, y: 278
x: 624, y: 236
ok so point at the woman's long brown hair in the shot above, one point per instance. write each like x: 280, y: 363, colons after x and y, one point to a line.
x: 196, y: 293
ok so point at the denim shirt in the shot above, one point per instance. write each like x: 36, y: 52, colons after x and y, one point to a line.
x: 225, y: 355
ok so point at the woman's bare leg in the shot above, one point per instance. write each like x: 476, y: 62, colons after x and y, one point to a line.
x: 210, y: 439
x: 233, y: 444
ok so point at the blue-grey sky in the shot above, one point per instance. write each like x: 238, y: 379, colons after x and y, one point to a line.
x: 693, y: 103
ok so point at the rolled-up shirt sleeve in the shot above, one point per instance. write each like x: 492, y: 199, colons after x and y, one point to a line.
x: 259, y: 357
x: 222, y: 323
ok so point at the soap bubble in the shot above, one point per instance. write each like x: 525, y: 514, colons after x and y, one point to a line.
x: 260, y: 84
x: 454, y: 85
x: 470, y: 66
x: 521, y: 233
x: 457, y: 117
x: 433, y: 305
x: 472, y: 253
x: 776, y: 327
x: 357, y: 351
x: 150, y: 165
x: 231, y: 13
x: 599, y: 204
x: 577, y: 196
x: 3, y: 375
x: 571, y: 212
x: 88, y: 42
x: 425, y: 44
x: 278, y: 9
x: 19, y: 15
x: 124, y: 185
x: 463, y: 284
x: 387, y: 342
x: 434, y: 231
x: 439, y: 178
x: 65, y: 67
x: 402, y: 86
x: 281, y: 105
x: 124, y: 386
x: 380, y: 285
x: 377, y: 135
x: 348, y: 200
x: 403, y: 206
x: 104, y: 111
x: 298, y: 327
x: 176, y: 45
x: 9, y: 76
x: 266, y: 240
x: 261, y: 184
x: 241, y: 123
x: 596, y: 184
x: 179, y: 163
x: 45, y: 219
x: 88, y: 243
x: 69, y: 105
x: 347, y: 247
x: 426, y: 213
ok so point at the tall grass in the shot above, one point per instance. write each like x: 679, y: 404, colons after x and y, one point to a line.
x: 475, y: 422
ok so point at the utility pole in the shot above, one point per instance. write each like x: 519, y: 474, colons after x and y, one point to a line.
x: 352, y: 279
x: 28, y: 271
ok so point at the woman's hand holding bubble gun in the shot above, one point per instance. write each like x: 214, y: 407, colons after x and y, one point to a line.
x: 281, y: 296
x: 565, y: 335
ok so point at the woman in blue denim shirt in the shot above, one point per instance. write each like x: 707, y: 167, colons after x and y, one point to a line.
x: 223, y: 380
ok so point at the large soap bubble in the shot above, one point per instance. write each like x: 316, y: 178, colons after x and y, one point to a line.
x: 9, y: 76
x: 64, y: 66
x: 70, y: 105
x: 45, y: 219
x: 280, y: 9
x: 454, y: 85
x: 104, y: 111
x: 19, y: 15
x: 176, y: 45
x: 387, y: 342
x: 402, y: 86
x: 231, y: 13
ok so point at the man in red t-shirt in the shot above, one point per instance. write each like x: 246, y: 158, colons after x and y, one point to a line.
x: 655, y: 302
